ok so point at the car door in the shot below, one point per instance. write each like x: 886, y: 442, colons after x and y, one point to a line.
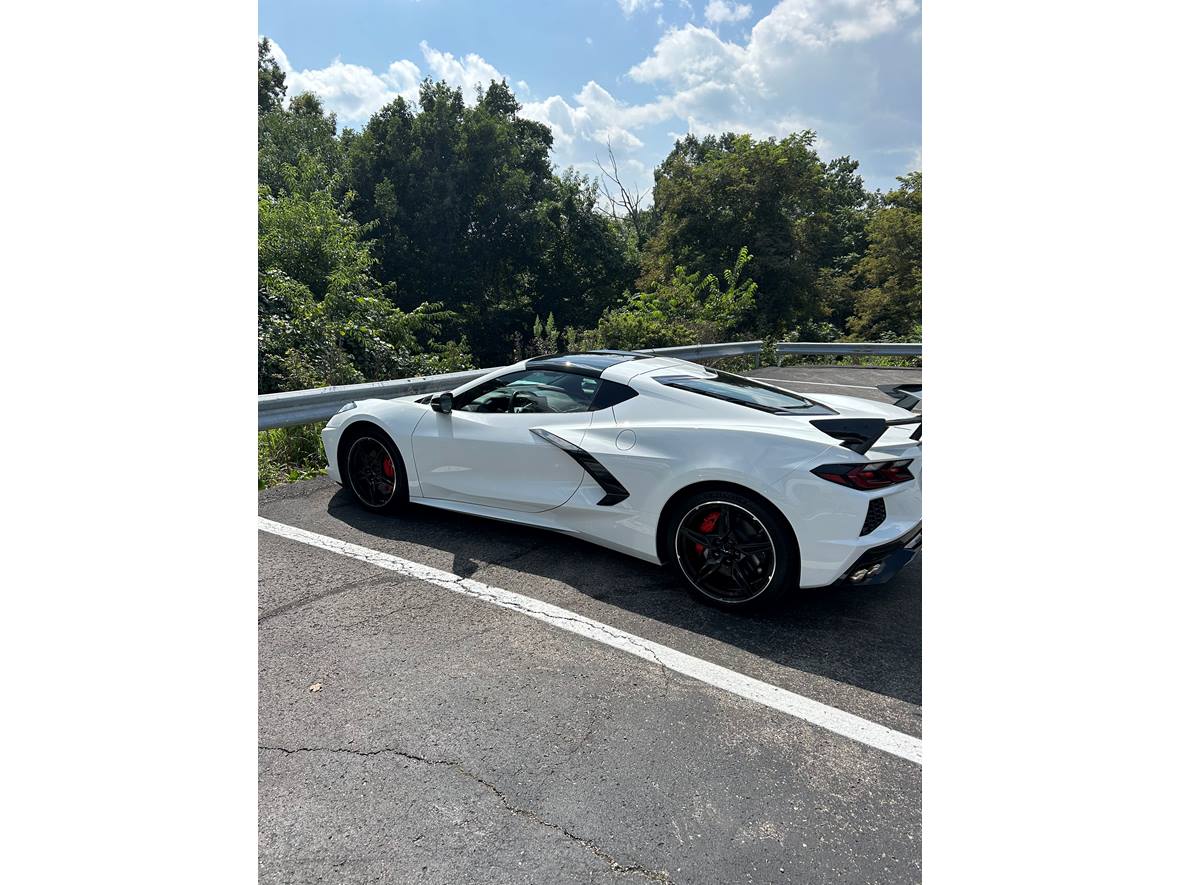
x: 483, y: 450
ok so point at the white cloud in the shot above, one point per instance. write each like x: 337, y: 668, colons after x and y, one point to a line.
x: 522, y: 86
x: 597, y: 116
x: 617, y: 137
x: 689, y: 56
x: 403, y: 76
x: 818, y: 23
x: 601, y: 104
x: 719, y: 11
x: 468, y: 73
x: 802, y: 67
x: 718, y: 84
x: 356, y: 92
x: 280, y: 57
x: 630, y: 7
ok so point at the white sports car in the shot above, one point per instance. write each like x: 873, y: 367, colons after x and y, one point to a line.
x: 749, y: 490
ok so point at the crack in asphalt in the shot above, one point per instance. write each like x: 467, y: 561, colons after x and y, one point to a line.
x: 316, y: 597
x: 594, y: 847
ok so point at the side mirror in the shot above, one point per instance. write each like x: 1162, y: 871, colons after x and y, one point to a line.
x: 441, y: 402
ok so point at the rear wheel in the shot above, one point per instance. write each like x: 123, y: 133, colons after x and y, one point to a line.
x: 731, y: 550
x: 373, y: 470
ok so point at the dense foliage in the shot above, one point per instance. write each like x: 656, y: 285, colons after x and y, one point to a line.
x: 683, y: 308
x: 322, y: 316
x: 440, y: 237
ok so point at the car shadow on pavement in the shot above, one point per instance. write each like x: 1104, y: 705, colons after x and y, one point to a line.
x: 867, y: 637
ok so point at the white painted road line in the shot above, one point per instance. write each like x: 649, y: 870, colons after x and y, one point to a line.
x: 781, y: 381
x: 835, y: 720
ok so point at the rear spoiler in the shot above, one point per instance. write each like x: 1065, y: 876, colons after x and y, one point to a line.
x: 905, y: 395
x: 861, y: 434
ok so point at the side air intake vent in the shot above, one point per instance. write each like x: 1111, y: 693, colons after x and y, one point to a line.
x: 875, y: 516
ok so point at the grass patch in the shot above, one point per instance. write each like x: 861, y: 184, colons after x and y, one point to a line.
x: 289, y: 454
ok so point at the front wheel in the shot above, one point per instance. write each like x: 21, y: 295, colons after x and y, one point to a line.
x: 731, y: 550
x: 374, y: 471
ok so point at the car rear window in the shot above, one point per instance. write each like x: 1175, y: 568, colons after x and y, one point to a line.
x: 742, y: 391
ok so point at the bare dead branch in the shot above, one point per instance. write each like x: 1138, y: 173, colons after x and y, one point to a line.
x: 623, y: 203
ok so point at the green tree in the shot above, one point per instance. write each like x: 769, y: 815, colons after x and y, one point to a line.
x: 888, y: 300
x: 545, y: 337
x: 465, y: 209
x: 322, y: 317
x: 286, y: 136
x: 452, y: 195
x: 687, y: 309
x: 797, y: 214
x: 272, y: 82
x: 582, y: 259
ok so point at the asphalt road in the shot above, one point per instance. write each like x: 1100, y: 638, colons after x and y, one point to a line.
x: 408, y: 733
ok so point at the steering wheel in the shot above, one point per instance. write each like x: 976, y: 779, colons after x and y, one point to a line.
x: 532, y: 402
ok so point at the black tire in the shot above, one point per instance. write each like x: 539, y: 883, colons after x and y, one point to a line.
x: 731, y: 550
x: 373, y: 470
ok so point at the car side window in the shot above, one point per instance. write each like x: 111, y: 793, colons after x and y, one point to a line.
x: 530, y: 391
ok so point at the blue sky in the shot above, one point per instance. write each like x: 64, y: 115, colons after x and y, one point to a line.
x: 634, y: 73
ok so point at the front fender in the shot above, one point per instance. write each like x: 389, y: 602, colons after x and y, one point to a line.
x: 396, y: 417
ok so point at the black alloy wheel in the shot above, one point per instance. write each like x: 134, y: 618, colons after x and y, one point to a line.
x: 373, y: 470
x: 730, y: 550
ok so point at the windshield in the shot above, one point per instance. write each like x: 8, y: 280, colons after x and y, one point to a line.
x: 743, y: 391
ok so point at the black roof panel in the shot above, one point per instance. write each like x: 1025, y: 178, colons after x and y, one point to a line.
x: 591, y: 362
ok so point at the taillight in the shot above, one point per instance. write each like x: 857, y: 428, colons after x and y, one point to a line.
x: 873, y: 475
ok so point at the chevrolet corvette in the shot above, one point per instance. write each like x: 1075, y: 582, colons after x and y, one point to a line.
x: 748, y: 490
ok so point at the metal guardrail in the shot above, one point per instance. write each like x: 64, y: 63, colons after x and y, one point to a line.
x: 297, y: 407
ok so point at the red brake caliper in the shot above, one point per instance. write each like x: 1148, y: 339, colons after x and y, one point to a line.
x: 387, y: 467
x: 707, y: 525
